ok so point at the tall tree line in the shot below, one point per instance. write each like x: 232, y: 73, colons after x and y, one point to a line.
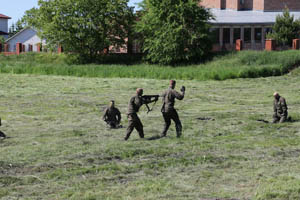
x: 170, y: 31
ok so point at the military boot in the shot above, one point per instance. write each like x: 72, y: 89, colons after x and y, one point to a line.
x: 178, y: 130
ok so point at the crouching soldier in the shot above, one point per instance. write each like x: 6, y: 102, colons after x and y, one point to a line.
x: 112, y: 116
x: 134, y: 121
x: 168, y: 110
x: 280, y: 109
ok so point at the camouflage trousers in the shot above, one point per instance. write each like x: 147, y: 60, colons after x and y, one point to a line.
x: 112, y: 124
x: 168, y: 116
x: 280, y: 117
x: 134, y: 122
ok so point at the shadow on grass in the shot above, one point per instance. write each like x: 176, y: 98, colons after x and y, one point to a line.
x: 289, y: 120
x: 156, y: 137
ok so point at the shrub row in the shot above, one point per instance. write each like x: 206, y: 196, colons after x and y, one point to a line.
x: 245, y: 64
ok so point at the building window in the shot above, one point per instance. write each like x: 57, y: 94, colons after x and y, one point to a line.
x: 242, y: 2
x: 247, y: 35
x: 268, y: 30
x: 215, y: 32
x: 258, y: 34
x: 236, y: 34
x: 226, y: 35
x: 223, y: 4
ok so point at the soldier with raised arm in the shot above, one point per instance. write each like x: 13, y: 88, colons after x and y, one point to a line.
x: 134, y: 121
x: 280, y: 109
x: 112, y: 115
x: 168, y: 110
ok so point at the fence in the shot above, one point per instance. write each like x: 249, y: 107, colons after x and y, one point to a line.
x: 269, y: 45
x: 20, y: 48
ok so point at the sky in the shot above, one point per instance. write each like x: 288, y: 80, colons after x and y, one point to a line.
x: 16, y: 8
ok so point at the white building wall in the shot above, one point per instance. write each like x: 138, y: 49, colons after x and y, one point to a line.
x: 26, y: 37
x: 4, y: 25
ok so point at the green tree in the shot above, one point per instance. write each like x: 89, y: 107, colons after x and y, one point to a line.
x: 285, y: 29
x: 2, y: 42
x: 17, y: 27
x: 174, y: 30
x: 31, y: 18
x: 85, y: 27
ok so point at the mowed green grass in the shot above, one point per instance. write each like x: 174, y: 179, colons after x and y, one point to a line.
x: 58, y: 147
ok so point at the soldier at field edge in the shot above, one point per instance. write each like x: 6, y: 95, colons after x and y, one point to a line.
x: 112, y: 115
x: 2, y: 135
x: 280, y: 109
x: 168, y: 110
x: 134, y: 121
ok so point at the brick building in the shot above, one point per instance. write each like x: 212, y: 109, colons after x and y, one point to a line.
x: 249, y: 20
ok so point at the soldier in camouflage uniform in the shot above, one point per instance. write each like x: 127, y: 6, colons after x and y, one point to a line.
x: 280, y: 109
x: 168, y: 110
x: 133, y: 120
x: 112, y: 115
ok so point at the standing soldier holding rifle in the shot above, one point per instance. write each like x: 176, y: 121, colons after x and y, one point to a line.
x: 133, y: 108
x: 168, y: 110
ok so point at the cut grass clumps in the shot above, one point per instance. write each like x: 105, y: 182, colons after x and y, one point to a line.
x: 279, y: 188
x: 245, y: 64
x: 58, y: 147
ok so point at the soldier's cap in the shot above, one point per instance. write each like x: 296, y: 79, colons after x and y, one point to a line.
x: 172, y: 82
x: 138, y: 90
x: 275, y: 94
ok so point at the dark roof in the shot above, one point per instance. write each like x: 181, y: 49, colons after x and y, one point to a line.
x: 3, y: 33
x: 4, y: 16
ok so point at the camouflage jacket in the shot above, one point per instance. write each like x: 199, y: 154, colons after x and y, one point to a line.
x: 112, y: 115
x: 168, y: 98
x: 134, y: 104
x: 280, y: 106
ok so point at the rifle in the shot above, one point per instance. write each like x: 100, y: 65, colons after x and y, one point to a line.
x: 149, y: 99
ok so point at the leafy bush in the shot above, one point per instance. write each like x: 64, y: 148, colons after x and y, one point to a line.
x: 245, y: 64
x: 285, y: 29
x: 174, y: 31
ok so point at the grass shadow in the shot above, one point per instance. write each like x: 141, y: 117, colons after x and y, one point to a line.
x: 156, y: 137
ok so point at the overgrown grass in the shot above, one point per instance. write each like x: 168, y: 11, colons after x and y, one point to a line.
x: 60, y: 149
x: 245, y: 64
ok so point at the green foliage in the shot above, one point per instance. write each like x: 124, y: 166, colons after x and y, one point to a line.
x: 15, y: 28
x: 285, y: 29
x: 85, y: 27
x: 174, y: 31
x: 2, y: 41
x: 245, y: 64
x: 31, y: 18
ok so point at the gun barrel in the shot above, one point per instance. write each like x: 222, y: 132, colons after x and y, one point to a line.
x: 150, y: 96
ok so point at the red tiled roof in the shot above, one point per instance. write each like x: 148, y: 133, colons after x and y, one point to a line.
x: 4, y: 16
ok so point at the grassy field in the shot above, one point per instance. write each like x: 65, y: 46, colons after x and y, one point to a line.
x: 58, y: 147
x: 245, y: 64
